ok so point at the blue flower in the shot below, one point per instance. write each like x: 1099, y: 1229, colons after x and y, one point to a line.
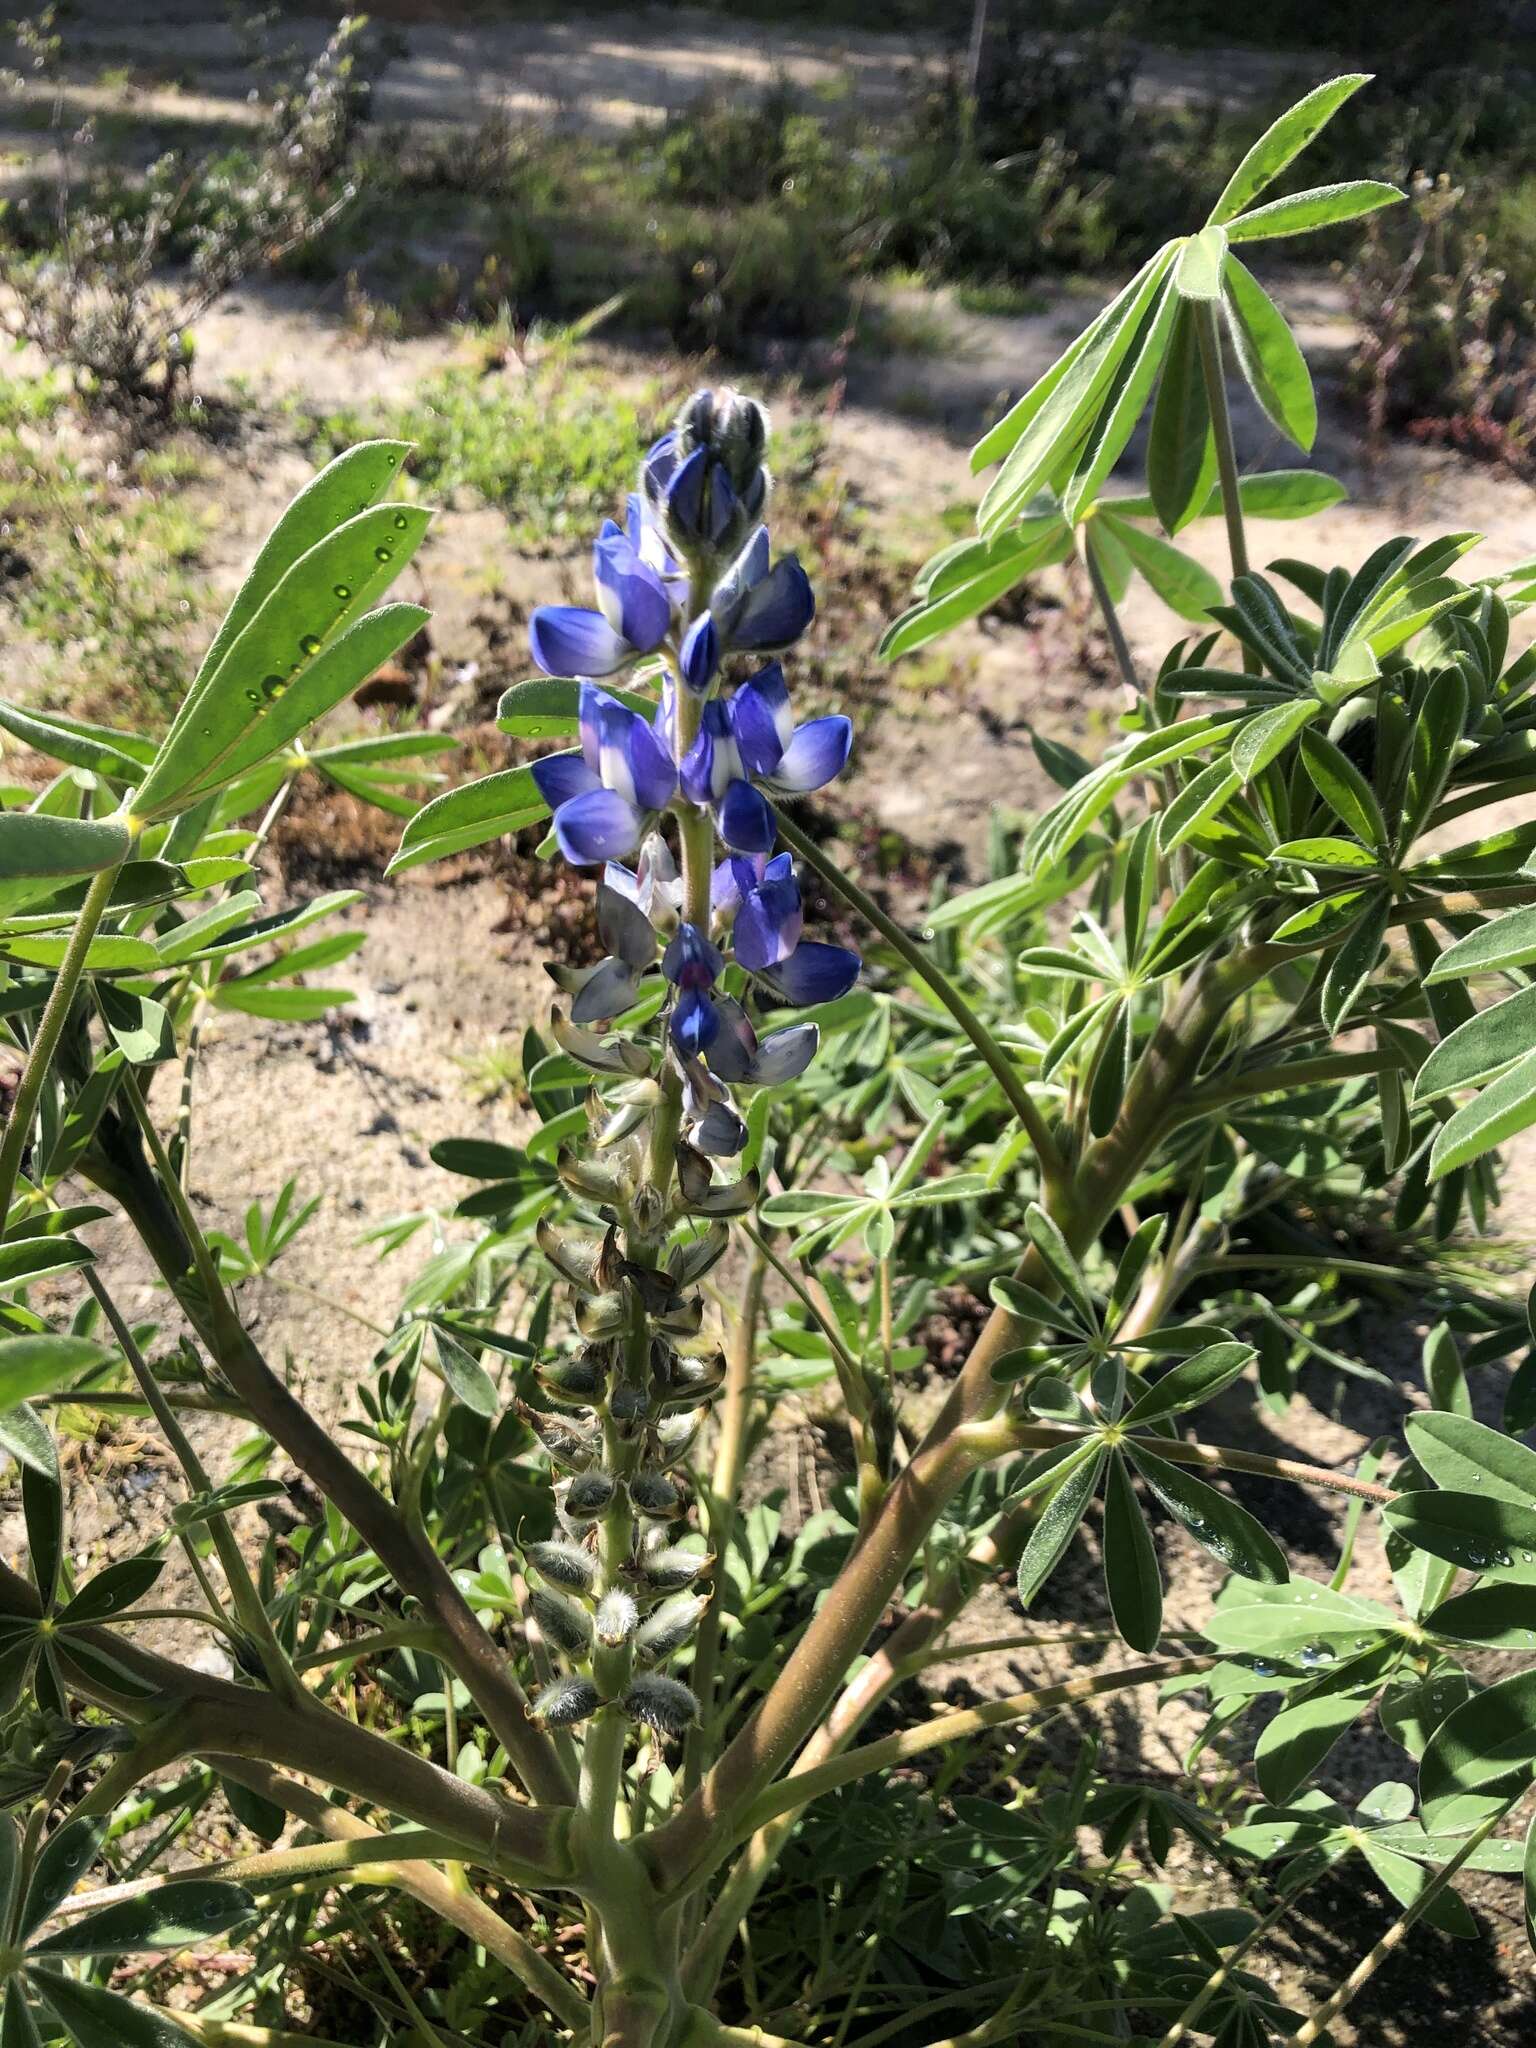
x: 790, y: 759
x: 693, y: 965
x: 759, y: 606
x: 634, y: 579
x: 629, y: 938
x: 813, y: 973
x: 762, y: 902
x: 705, y: 480
x: 739, y: 1057
x: 601, y: 796
x: 711, y: 775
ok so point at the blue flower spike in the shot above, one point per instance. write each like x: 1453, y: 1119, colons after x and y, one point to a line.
x: 691, y: 580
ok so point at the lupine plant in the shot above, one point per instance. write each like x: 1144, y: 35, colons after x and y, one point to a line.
x: 547, y: 1719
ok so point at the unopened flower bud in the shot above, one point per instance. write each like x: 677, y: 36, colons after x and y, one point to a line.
x: 617, y: 1619
x: 653, y: 1494
x: 665, y: 1704
x: 567, y: 1626
x: 588, y: 1496
x: 670, y: 1626
x: 563, y: 1563
x: 566, y: 1702
x: 669, y: 1571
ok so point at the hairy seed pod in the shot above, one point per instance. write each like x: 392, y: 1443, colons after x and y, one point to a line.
x: 591, y: 1264
x: 672, y: 1435
x: 692, y: 1380
x: 652, y: 1493
x: 576, y: 1381
x: 686, y: 1320
x: 601, y: 1180
x: 566, y: 1702
x: 690, y: 1262
x: 670, y: 1626
x: 588, y: 1496
x: 628, y: 1405
x: 567, y: 1626
x: 669, y: 1571
x: 569, y: 1448
x: 563, y: 1564
x: 664, y: 1704
x: 617, y: 1618
x: 602, y: 1315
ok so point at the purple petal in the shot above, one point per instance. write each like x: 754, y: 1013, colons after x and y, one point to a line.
x: 623, y: 925
x: 632, y: 595
x: 660, y: 462
x: 778, y: 610
x: 784, y: 1055
x: 817, y: 753
x: 768, y: 925
x: 722, y: 504
x: 712, y: 763
x: 815, y: 973
x: 695, y: 1023
x: 566, y: 641
x: 734, y: 1049
x: 763, y: 720
x: 559, y: 777
x: 608, y: 991
x: 730, y: 882
x: 691, y: 959
x: 685, y: 493
x: 651, y: 767
x: 701, y: 654
x: 599, y: 825
x: 746, y: 820
x: 720, y: 1132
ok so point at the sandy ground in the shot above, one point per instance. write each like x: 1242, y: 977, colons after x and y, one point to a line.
x: 352, y: 1108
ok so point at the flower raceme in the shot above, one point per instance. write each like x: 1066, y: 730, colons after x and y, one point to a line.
x: 687, y: 584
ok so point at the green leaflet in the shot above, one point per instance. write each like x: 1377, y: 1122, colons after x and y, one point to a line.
x: 1181, y: 451
x: 1507, y: 941
x: 1480, y: 1757
x: 547, y: 707
x: 1218, y: 1524
x: 468, y: 816
x: 1131, y: 1575
x: 1066, y: 413
x: 30, y: 1366
x: 1480, y: 1047
x: 1505, y: 1107
x: 33, y: 844
x: 1268, y: 356
x: 1059, y: 1518
x: 1325, y: 206
x: 1182, y: 583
